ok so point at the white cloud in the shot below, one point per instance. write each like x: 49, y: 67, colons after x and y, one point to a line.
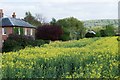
x: 82, y: 9
x: 58, y: 1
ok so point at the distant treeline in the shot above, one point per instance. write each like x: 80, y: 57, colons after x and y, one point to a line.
x: 102, y: 22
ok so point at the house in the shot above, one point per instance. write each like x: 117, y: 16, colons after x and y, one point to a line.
x: 90, y: 33
x: 13, y: 25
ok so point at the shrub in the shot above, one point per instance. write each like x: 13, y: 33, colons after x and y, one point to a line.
x: 108, y: 31
x: 23, y: 40
x: 118, y: 39
x: 49, y: 32
x: 16, y: 42
x: 9, y: 45
x: 65, y: 36
x: 38, y: 43
x: 103, y: 33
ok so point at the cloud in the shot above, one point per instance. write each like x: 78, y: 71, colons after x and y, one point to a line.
x: 81, y: 9
x: 55, y: 1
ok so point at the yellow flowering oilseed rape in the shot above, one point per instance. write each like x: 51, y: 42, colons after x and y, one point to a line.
x: 85, y: 58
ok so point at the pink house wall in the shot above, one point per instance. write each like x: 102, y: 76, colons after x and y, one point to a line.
x: 9, y: 30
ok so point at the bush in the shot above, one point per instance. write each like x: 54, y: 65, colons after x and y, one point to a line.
x: 118, y: 39
x: 108, y: 31
x: 21, y: 39
x: 49, y: 32
x: 65, y: 36
x: 103, y: 33
x: 38, y: 43
x: 16, y: 42
x: 10, y: 45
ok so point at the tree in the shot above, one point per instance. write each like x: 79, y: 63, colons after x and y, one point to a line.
x: 72, y: 26
x: 108, y: 30
x: 103, y: 33
x: 39, y: 17
x: 49, y: 32
x: 31, y: 19
x: 53, y: 22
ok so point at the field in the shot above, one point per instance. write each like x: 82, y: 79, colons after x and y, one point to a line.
x: 0, y: 65
x: 85, y: 58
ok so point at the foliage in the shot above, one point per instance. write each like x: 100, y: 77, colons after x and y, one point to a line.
x: 108, y: 30
x: 16, y: 30
x: 0, y: 66
x: 96, y: 29
x: 65, y: 36
x: 85, y: 58
x: 10, y: 45
x: 118, y: 38
x: 53, y: 22
x: 31, y: 19
x: 40, y: 18
x: 103, y: 33
x: 16, y: 42
x: 49, y: 32
x: 72, y: 44
x: 73, y: 26
x: 38, y: 42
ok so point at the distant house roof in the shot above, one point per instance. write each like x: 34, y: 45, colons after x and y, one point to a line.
x: 14, y: 22
x: 91, y: 32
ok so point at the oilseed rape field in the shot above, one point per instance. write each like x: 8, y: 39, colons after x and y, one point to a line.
x: 84, y: 58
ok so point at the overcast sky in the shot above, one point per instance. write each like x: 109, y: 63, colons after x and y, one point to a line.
x: 81, y: 9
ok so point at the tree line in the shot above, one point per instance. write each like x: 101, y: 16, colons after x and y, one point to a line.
x: 66, y: 29
x: 63, y: 29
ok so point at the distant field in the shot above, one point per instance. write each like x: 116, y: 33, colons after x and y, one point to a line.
x: 85, y: 58
x: 101, y: 22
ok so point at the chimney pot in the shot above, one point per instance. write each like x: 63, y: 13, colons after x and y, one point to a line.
x: 14, y: 15
x: 1, y: 13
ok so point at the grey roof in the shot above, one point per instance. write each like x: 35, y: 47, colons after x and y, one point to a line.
x: 91, y: 32
x: 14, y: 22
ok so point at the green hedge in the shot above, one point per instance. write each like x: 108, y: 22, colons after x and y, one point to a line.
x: 16, y: 42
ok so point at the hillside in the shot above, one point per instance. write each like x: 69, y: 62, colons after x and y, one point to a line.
x: 101, y: 22
x: 85, y: 58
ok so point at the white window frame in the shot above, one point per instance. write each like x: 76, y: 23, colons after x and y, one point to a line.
x: 19, y: 31
x: 25, y: 31
x: 31, y: 31
x: 3, y: 31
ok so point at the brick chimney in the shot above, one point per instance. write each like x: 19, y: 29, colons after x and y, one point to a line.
x: 14, y: 15
x: 1, y: 13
